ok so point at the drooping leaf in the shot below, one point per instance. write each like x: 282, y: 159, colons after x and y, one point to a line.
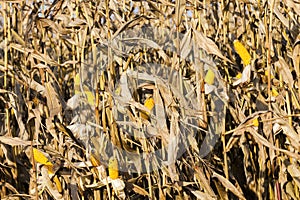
x: 208, y: 45
x: 227, y: 184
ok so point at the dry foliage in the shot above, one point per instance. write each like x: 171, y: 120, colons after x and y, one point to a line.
x: 81, y: 81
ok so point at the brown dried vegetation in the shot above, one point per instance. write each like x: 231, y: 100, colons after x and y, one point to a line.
x: 74, y: 76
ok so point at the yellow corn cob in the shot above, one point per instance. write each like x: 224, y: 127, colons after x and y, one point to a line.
x: 209, y: 77
x: 239, y: 75
x: 89, y: 94
x: 242, y: 51
x: 113, y: 170
x: 274, y: 92
x: 41, y: 158
x: 255, y: 122
x: 149, y: 103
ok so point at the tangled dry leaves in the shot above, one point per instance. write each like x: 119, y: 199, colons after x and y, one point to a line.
x: 76, y: 76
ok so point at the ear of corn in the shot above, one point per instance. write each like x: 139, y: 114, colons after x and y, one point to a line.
x: 255, y: 122
x: 149, y: 103
x: 242, y: 52
x: 57, y: 183
x: 209, y: 77
x: 113, y: 170
x: 274, y: 92
x: 41, y: 158
x: 77, y: 83
x: 239, y: 75
x: 89, y: 94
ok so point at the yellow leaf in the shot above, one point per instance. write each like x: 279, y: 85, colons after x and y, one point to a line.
x: 255, y: 122
x: 113, y: 170
x: 242, y: 52
x: 209, y: 77
x: 40, y: 157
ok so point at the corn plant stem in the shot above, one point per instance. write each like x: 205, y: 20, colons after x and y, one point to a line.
x: 73, y: 54
x: 277, y: 144
x: 224, y: 143
x: 5, y: 32
x: 76, y: 8
x: 298, y: 78
x: 271, y: 152
x: 201, y: 94
x: 94, y: 50
x: 149, y: 182
x: 110, y: 56
x: 3, y: 5
x: 13, y: 132
x: 288, y: 106
x: 7, y: 38
x: 288, y: 111
x: 204, y: 13
x: 225, y: 25
x: 76, y: 49
x: 223, y: 139
x: 98, y: 85
x: 294, y: 99
x: 200, y: 81
x: 34, y: 172
x: 269, y: 46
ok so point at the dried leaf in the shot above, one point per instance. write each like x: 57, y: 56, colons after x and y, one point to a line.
x: 13, y: 141
x: 284, y: 70
x: 118, y: 186
x: 295, y: 173
x: 186, y: 45
x: 34, y: 54
x: 46, y: 182
x: 208, y: 45
x: 296, y: 56
x: 201, y: 195
x: 179, y: 9
x: 294, y: 4
x: 245, y: 76
x: 148, y: 43
x: 289, y: 188
x: 53, y: 102
x: 203, y: 181
x: 139, y: 190
x: 227, y: 184
x: 282, y: 18
x: 289, y: 132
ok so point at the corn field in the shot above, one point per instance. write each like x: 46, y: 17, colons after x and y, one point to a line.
x: 154, y: 99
